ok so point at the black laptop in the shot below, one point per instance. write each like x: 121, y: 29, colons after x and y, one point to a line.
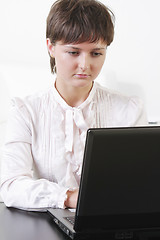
x: 119, y: 194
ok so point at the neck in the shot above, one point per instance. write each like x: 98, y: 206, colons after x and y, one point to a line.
x: 73, y: 96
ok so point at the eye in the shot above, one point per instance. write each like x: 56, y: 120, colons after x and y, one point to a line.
x: 73, y: 53
x: 96, y: 54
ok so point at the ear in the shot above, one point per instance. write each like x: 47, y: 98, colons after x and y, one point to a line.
x: 50, y: 47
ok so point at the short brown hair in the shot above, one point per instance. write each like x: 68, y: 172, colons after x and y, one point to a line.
x: 77, y: 21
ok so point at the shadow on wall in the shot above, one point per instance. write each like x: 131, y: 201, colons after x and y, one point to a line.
x: 4, y: 99
x: 131, y: 89
x: 110, y: 80
x: 4, y: 107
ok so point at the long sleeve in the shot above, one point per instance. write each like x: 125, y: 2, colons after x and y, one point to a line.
x: 19, y: 187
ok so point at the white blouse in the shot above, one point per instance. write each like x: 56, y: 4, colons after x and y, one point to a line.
x: 45, y: 141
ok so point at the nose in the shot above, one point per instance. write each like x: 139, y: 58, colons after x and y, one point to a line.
x: 84, y: 62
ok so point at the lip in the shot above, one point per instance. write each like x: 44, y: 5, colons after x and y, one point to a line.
x: 79, y: 75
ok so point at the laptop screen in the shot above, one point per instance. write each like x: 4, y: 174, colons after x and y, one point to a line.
x: 120, y: 177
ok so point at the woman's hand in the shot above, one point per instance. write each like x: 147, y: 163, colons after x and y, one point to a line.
x: 71, y: 200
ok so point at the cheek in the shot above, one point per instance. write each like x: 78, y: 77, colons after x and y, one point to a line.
x: 64, y: 66
x: 102, y: 62
x: 70, y: 64
x: 66, y: 62
x: 98, y: 66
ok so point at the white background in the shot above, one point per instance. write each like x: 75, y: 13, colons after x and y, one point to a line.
x: 132, y: 65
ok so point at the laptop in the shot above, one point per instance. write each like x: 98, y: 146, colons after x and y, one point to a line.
x: 119, y: 193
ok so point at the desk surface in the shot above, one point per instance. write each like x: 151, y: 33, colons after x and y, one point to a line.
x: 16, y: 224
x: 22, y: 225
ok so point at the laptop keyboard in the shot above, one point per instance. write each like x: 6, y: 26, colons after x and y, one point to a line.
x: 70, y: 219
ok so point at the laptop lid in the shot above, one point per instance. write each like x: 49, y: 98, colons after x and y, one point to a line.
x: 120, y: 181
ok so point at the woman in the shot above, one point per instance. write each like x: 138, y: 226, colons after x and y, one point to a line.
x: 44, y: 147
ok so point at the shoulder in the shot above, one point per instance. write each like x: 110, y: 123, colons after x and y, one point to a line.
x: 32, y: 106
x: 116, y: 98
x: 35, y: 101
x: 124, y: 109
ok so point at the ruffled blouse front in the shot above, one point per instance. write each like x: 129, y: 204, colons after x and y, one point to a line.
x: 45, y: 142
x: 70, y: 129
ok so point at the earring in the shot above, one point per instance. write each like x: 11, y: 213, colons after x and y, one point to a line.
x: 54, y: 69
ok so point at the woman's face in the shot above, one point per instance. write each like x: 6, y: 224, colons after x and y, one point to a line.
x: 77, y: 65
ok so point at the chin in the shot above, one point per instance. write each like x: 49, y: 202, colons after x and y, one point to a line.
x: 82, y: 83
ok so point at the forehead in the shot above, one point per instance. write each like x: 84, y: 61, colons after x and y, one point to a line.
x: 84, y: 46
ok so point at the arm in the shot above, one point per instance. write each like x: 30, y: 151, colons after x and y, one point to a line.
x: 18, y: 185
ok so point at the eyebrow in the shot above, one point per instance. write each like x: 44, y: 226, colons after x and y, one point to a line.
x: 76, y: 48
